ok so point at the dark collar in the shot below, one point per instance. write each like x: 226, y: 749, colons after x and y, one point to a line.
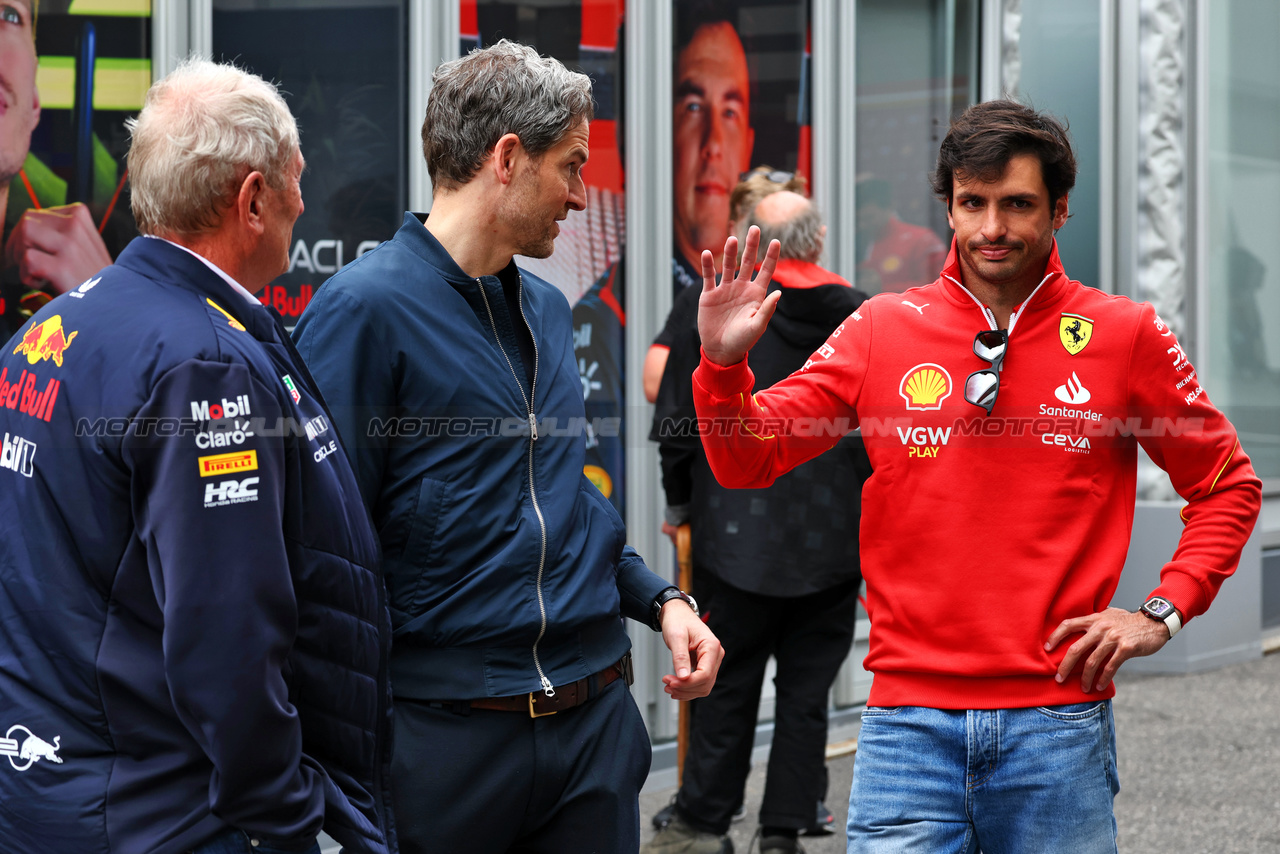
x: 413, y: 235
x: 171, y: 266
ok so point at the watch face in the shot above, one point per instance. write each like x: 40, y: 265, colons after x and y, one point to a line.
x: 1158, y: 607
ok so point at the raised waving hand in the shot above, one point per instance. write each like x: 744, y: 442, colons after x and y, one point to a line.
x: 733, y: 315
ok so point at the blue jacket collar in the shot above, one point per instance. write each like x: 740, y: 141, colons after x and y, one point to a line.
x: 170, y: 266
x: 414, y: 236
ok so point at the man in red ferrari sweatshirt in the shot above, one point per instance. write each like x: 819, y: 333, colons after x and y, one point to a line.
x: 1002, y: 407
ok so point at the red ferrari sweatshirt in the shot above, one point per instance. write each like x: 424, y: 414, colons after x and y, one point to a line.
x: 981, y: 533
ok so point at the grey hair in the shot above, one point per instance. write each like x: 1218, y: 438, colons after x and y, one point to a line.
x: 203, y: 129
x: 502, y: 89
x: 800, y: 236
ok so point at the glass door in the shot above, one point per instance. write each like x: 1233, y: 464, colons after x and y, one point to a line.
x: 917, y: 68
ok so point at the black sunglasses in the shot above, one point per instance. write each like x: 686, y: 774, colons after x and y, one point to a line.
x: 981, y: 387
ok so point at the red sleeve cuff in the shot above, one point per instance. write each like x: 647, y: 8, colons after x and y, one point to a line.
x: 1184, y: 592
x: 721, y: 382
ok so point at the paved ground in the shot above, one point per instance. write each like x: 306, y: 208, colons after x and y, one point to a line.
x: 1198, y: 759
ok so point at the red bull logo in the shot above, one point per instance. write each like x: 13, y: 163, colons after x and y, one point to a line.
x: 46, y: 340
x: 25, y: 396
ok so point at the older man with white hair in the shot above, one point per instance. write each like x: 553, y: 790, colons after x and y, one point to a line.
x: 193, y: 630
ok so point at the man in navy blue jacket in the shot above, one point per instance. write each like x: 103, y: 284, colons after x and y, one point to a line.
x: 453, y: 383
x: 193, y: 631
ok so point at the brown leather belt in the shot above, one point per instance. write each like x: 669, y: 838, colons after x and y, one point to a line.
x: 537, y: 703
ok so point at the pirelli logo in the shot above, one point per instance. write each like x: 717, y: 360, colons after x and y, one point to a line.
x: 222, y: 464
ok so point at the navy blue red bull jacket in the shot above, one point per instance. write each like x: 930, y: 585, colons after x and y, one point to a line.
x: 193, y: 630
x: 505, y: 565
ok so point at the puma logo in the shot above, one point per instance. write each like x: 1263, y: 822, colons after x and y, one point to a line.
x: 919, y: 308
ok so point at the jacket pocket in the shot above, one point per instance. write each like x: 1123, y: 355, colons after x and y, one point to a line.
x: 424, y: 525
x: 424, y: 518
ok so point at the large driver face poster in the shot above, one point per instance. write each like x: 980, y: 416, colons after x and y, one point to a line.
x: 740, y: 99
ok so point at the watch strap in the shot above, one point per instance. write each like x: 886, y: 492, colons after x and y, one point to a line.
x: 665, y: 596
x: 1152, y: 608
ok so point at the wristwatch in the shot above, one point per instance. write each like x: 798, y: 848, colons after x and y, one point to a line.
x: 663, y: 598
x: 1161, y: 610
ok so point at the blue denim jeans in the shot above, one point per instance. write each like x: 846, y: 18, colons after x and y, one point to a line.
x: 239, y: 842
x: 1003, y: 781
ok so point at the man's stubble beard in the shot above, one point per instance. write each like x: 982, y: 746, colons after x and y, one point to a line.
x: 533, y: 238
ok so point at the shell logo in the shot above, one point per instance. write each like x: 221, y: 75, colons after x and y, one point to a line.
x: 600, y: 479
x: 925, y: 386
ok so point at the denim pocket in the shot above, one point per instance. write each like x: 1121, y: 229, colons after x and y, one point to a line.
x: 1073, y: 712
x: 880, y: 711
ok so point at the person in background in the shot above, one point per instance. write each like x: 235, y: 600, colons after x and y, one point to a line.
x: 777, y: 567
x: 49, y: 251
x: 711, y: 146
x: 750, y: 189
x: 900, y: 255
x: 193, y: 631
x: 451, y: 373
x: 1002, y: 408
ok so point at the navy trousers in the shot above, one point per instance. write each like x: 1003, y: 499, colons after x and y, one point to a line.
x: 498, y: 782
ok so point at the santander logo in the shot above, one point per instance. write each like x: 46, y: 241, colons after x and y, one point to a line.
x: 1073, y: 391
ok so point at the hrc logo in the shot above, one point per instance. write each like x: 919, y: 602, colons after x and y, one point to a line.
x: 925, y: 386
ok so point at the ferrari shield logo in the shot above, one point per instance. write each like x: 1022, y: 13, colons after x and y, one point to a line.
x: 1075, y: 332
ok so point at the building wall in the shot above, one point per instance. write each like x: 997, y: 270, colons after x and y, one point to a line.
x: 1175, y: 107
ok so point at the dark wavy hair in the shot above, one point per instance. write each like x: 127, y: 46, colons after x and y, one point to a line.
x: 985, y: 137
x: 693, y: 15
